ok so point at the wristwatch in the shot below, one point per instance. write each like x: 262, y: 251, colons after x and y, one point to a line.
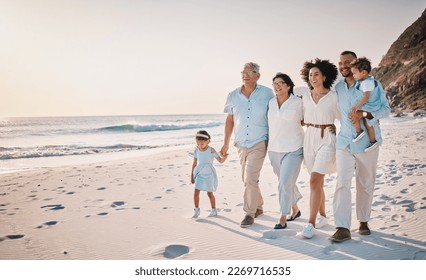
x: 364, y: 114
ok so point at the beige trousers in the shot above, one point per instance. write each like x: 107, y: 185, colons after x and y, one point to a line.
x: 364, y: 165
x: 251, y: 160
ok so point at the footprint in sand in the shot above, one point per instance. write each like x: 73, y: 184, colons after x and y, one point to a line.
x: 410, y: 207
x: 174, y: 251
x: 50, y: 223
x: 377, y: 203
x: 117, y: 203
x: 386, y: 209
x: 396, y: 178
x: 406, y: 201
x: 101, y: 189
x: 68, y: 193
x: 329, y: 250
x: 385, y: 197
x: 54, y: 207
x: 103, y: 214
x: 15, y: 236
x: 398, y: 218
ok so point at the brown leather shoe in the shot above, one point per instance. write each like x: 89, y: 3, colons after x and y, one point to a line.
x: 258, y: 213
x: 363, y: 229
x: 342, y: 234
x: 248, y: 221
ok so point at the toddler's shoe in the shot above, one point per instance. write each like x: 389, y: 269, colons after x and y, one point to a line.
x: 308, y: 231
x: 358, y: 136
x: 213, y: 213
x: 196, y: 213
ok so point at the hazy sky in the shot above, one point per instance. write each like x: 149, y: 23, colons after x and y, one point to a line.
x: 126, y: 57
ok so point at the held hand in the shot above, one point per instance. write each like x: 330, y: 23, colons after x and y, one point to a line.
x: 224, y: 151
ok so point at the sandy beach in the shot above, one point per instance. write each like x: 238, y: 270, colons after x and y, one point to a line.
x: 140, y: 209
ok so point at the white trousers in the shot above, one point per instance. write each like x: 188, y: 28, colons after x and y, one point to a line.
x: 287, y: 168
x: 364, y: 165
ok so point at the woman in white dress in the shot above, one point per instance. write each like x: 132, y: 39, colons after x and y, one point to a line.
x: 319, y: 148
x: 285, y: 146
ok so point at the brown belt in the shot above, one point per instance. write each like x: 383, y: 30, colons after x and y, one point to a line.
x: 322, y: 126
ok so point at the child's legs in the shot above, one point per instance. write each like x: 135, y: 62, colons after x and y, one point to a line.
x: 357, y: 126
x: 196, y: 198
x: 370, y: 131
x: 212, y: 199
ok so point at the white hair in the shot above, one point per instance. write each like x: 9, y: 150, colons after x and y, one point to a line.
x: 253, y: 65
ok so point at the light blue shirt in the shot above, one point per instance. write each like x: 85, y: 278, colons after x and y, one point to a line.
x: 250, y: 115
x: 374, y: 103
x: 347, y: 99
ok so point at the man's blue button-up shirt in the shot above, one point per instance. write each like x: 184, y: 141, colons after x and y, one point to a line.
x: 250, y: 115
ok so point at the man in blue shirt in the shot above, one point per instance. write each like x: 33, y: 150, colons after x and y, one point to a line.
x: 350, y: 156
x: 247, y: 108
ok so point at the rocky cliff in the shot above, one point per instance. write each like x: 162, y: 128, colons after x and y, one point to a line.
x: 402, y: 70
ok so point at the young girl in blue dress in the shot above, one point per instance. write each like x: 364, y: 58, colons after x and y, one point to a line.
x: 203, y: 173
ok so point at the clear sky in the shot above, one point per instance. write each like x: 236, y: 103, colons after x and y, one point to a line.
x: 138, y: 57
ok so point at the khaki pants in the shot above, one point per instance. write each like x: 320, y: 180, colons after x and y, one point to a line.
x: 365, y: 166
x: 251, y: 160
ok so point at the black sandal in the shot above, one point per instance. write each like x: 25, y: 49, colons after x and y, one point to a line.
x: 280, y: 226
x: 291, y: 218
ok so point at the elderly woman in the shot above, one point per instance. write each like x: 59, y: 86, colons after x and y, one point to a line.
x: 285, y: 147
x: 320, y: 111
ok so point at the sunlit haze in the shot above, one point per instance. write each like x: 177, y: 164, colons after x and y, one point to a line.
x: 137, y: 57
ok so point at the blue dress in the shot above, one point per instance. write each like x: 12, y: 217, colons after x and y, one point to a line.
x: 204, y: 173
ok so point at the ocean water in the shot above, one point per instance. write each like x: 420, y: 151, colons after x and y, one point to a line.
x: 27, y: 143
x: 51, y: 141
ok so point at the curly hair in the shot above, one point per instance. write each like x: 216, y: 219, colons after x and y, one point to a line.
x: 287, y: 80
x: 361, y: 64
x: 328, y: 69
